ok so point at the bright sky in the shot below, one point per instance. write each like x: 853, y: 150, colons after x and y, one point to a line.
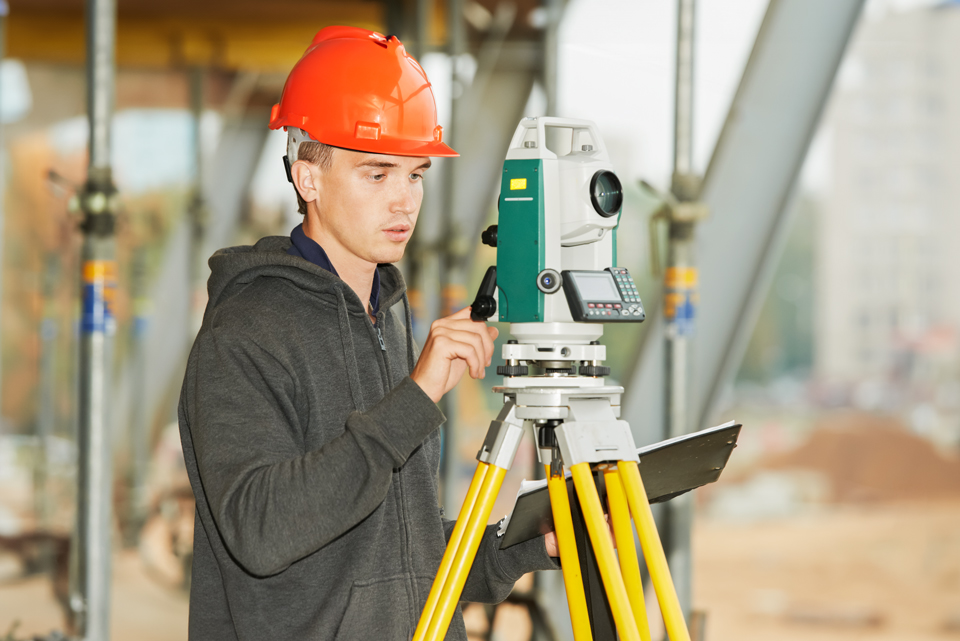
x: 620, y: 73
x: 617, y: 68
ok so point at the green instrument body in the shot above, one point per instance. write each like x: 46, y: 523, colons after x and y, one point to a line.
x: 520, y: 242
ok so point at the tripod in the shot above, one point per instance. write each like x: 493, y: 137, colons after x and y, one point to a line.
x: 578, y: 427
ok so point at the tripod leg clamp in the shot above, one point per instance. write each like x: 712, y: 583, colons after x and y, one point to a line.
x: 595, y: 442
x: 503, y: 438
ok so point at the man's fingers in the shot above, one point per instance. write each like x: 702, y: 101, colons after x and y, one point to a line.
x: 550, y: 542
x: 469, y: 332
x: 457, y: 337
x: 474, y: 340
x: 460, y: 316
x: 478, y: 328
x: 453, y: 348
x: 492, y: 332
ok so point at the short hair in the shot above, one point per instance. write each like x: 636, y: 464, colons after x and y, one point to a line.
x: 315, y: 153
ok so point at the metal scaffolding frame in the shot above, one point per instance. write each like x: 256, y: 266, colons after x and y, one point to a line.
x: 680, y: 314
x: 747, y: 189
x: 91, y: 563
x: 4, y: 11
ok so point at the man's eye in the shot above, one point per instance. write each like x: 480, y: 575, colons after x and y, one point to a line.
x: 379, y: 176
x: 416, y: 176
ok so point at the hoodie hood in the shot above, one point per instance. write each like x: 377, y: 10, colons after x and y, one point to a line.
x: 233, y: 268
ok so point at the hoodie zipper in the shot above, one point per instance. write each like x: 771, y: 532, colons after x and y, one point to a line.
x: 413, y: 592
x: 383, y: 346
x: 406, y: 562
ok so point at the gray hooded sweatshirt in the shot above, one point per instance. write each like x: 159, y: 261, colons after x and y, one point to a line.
x: 314, y: 459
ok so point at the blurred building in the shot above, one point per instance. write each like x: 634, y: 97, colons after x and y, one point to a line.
x: 888, y: 281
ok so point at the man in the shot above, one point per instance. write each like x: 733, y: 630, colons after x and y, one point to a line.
x: 309, y: 423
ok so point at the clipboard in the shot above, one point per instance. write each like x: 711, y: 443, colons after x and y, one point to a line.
x: 668, y: 468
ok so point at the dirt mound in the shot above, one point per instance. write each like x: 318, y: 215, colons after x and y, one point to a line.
x: 874, y: 458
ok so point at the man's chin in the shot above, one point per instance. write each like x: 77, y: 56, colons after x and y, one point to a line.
x: 388, y: 255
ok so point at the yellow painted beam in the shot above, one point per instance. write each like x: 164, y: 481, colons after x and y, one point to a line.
x: 245, y: 44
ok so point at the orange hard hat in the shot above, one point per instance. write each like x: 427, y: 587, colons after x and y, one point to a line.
x: 358, y: 89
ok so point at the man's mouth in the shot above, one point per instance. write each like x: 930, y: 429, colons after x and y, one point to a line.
x: 397, y: 232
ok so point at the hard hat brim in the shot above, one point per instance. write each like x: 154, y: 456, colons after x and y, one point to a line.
x: 384, y: 145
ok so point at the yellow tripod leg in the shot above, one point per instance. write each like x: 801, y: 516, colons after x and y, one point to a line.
x: 603, y: 548
x: 626, y: 549
x: 673, y: 619
x: 463, y: 561
x: 569, y: 558
x: 453, y: 545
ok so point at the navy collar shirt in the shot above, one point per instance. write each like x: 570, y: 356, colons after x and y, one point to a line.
x: 309, y: 249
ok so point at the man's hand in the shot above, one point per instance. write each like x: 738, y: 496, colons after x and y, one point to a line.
x: 454, y: 345
x: 550, y: 542
x: 553, y: 547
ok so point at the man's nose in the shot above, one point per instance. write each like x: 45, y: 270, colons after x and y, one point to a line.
x: 405, y: 199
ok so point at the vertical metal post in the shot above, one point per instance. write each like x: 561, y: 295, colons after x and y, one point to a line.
x: 551, y: 54
x: 588, y: 564
x: 46, y: 410
x: 139, y: 420
x: 453, y: 291
x: 4, y: 10
x: 415, y: 246
x: 679, y: 305
x: 196, y: 210
x: 680, y: 302
x: 90, y: 601
x: 683, y: 91
x: 422, y: 27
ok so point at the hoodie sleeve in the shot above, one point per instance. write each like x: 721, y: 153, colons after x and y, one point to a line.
x: 495, y: 571
x: 260, y: 486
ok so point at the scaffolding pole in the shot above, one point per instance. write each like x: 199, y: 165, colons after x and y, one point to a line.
x: 90, y: 598
x: 4, y: 11
x: 47, y: 395
x: 140, y: 423
x: 453, y: 287
x: 680, y: 299
x: 415, y: 246
x: 551, y: 56
x: 197, y: 209
x: 422, y: 27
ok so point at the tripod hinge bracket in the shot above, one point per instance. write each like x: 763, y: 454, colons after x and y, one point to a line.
x: 503, y: 438
x: 596, y: 442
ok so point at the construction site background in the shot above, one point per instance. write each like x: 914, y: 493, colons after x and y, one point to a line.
x: 838, y: 516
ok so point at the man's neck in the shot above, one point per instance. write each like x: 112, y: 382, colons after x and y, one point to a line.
x: 353, y: 270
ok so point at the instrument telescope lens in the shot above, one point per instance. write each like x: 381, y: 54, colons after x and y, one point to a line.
x: 606, y: 193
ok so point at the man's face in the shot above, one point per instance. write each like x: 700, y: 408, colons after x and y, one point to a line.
x: 368, y: 203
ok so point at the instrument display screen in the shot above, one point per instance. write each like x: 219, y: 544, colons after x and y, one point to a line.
x: 597, y: 286
x: 603, y: 296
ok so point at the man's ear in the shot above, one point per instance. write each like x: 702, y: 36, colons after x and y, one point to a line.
x: 305, y: 179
